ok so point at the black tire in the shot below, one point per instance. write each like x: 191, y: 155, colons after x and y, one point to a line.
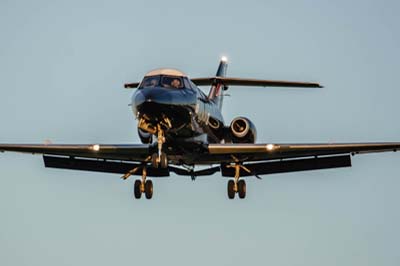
x: 136, y: 189
x: 148, y: 189
x: 231, y: 190
x: 163, y: 160
x: 242, y: 189
x: 154, y: 160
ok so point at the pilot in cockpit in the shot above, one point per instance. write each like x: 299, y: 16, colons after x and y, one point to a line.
x: 175, y: 83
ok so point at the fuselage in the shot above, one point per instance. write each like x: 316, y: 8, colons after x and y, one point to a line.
x: 168, y: 98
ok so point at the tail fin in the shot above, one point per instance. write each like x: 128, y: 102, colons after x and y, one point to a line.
x: 217, y: 87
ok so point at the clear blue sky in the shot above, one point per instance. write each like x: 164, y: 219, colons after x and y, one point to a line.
x: 62, y: 67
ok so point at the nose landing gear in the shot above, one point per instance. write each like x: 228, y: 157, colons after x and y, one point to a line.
x: 160, y: 158
x: 157, y: 127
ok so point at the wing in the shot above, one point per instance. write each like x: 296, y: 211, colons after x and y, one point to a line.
x: 107, y: 158
x: 284, y: 151
x: 261, y: 159
x: 228, y: 81
x: 258, y: 159
x: 133, y: 152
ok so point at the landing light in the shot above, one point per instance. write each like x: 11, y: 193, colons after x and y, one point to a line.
x: 224, y: 59
x: 96, y: 147
x: 270, y: 147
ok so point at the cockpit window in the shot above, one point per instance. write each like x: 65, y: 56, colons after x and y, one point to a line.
x: 150, y: 82
x: 171, y: 82
x: 187, y: 83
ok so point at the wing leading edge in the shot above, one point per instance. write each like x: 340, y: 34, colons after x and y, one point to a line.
x: 216, y: 153
x: 284, y: 151
x: 129, y: 152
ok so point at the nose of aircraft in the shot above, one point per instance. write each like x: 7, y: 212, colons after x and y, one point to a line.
x: 157, y: 95
x: 164, y: 96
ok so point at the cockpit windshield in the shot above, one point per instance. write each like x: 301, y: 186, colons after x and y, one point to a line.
x: 153, y: 81
x: 172, y: 82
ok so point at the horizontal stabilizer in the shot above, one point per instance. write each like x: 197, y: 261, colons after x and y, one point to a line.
x: 131, y: 85
x: 227, y: 81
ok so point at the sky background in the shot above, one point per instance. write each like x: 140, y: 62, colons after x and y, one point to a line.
x: 62, y: 69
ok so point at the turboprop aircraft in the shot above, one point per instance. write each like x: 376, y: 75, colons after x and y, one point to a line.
x: 181, y: 127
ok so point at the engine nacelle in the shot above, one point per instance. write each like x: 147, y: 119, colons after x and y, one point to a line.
x: 243, y: 130
x: 145, y: 137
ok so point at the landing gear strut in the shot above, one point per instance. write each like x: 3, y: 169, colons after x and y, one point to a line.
x: 236, y: 185
x: 160, y: 158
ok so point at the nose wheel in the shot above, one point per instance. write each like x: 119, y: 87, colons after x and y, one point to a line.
x: 159, y: 160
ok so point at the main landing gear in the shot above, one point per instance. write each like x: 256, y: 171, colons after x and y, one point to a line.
x: 236, y: 185
x: 141, y: 186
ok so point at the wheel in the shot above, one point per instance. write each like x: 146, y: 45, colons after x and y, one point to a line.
x: 231, y: 189
x: 154, y: 160
x: 242, y: 189
x: 136, y: 189
x: 148, y: 189
x: 163, y: 160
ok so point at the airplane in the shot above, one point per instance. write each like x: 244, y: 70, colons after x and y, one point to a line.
x: 181, y: 128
